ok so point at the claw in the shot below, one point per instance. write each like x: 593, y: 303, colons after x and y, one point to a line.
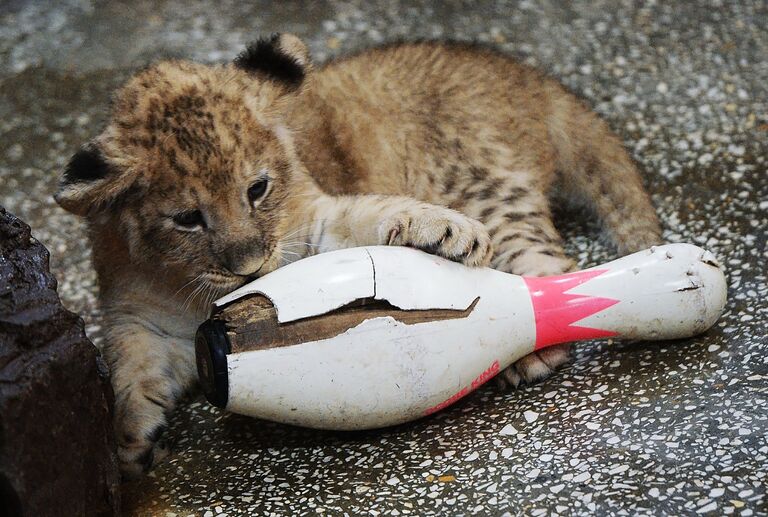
x: 393, y: 233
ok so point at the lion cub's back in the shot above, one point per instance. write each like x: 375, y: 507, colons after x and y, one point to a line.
x: 415, y: 76
x: 392, y: 109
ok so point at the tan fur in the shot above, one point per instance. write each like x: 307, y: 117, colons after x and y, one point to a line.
x: 408, y: 144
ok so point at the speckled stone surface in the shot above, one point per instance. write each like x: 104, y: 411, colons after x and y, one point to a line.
x: 627, y: 429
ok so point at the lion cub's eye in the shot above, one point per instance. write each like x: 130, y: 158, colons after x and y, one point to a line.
x: 257, y: 190
x: 189, y: 220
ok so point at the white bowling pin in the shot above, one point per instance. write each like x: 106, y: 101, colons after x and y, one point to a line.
x: 385, y: 371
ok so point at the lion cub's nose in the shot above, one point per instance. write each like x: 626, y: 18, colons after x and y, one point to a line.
x: 242, y: 258
x: 247, y: 266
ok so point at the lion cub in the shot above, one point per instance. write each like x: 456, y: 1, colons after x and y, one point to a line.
x: 208, y: 176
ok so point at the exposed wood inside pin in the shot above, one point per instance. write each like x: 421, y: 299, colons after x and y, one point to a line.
x: 252, y: 322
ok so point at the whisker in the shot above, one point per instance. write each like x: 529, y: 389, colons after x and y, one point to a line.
x: 190, y: 299
x: 300, y: 243
x: 209, y: 296
x: 198, y: 277
x: 301, y: 229
x: 204, y: 296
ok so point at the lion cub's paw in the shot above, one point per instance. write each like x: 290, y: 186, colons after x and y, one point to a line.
x: 140, y: 424
x: 535, y: 366
x: 440, y: 231
x: 137, y: 460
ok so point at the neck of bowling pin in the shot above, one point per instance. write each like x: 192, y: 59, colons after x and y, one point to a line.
x: 557, y: 311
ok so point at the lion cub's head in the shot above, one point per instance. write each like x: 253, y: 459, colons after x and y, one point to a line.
x: 194, y: 170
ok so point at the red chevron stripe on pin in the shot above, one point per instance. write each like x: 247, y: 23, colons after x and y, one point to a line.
x: 556, y: 311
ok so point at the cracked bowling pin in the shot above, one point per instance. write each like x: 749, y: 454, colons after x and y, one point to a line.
x: 369, y: 337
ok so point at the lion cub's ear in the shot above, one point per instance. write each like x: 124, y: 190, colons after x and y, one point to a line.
x: 89, y: 183
x: 282, y: 58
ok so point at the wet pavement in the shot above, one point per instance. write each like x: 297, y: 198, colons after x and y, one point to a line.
x: 627, y: 429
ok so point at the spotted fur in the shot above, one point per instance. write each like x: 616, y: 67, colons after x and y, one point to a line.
x: 449, y: 148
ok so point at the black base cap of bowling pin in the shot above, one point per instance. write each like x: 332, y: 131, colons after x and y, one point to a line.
x: 211, y: 349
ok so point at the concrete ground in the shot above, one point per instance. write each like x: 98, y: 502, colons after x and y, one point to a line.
x: 627, y: 429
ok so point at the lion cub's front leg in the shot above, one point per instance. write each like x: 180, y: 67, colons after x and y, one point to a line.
x: 150, y: 371
x: 367, y: 220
